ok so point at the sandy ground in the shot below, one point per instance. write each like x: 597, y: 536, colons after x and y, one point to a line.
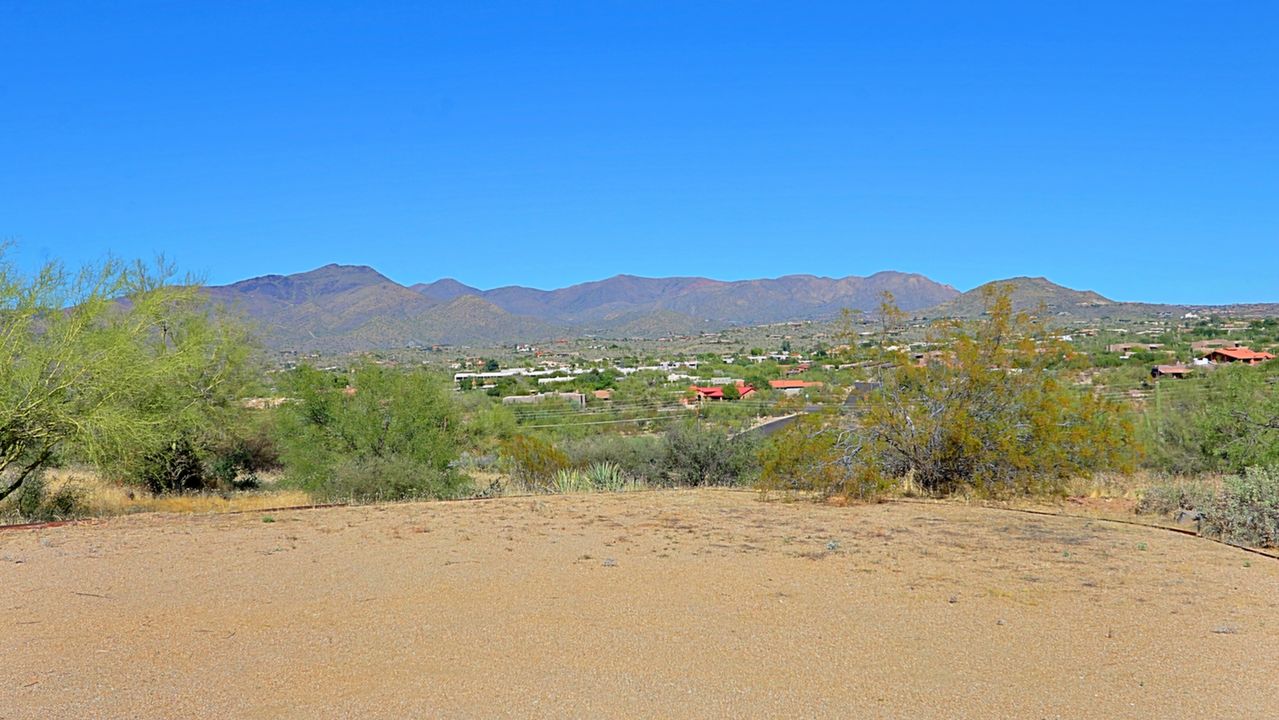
x: 668, y: 604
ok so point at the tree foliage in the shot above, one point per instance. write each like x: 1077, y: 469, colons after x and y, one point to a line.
x: 388, y: 434
x: 1225, y: 421
x: 812, y: 455
x: 108, y: 364
x: 990, y: 413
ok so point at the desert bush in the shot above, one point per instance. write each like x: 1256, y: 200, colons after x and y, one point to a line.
x: 35, y: 501
x: 570, y: 480
x: 174, y: 466
x: 1175, y: 494
x: 533, y: 462
x: 235, y: 460
x: 1225, y: 421
x: 993, y: 416
x: 606, y: 477
x: 400, y: 428
x: 106, y: 381
x: 639, y: 457
x: 396, y: 477
x: 1246, y: 511
x: 698, y: 456
x: 810, y: 456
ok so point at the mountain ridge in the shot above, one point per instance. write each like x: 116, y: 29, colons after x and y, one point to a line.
x: 342, y: 308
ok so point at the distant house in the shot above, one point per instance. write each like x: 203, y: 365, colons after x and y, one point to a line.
x: 1129, y: 347
x: 603, y: 394
x: 1239, y: 354
x: 792, y: 387
x: 800, y: 368
x: 717, y: 392
x: 1172, y: 371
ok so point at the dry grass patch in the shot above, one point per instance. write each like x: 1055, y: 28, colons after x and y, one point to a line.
x: 99, y: 497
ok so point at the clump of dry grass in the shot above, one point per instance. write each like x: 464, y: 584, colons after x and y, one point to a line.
x: 99, y: 497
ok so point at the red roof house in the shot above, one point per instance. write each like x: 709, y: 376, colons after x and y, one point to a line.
x: 1239, y: 354
x: 717, y: 393
x: 792, y: 387
x: 1173, y: 371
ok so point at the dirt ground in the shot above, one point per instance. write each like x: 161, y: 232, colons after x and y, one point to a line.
x: 661, y: 605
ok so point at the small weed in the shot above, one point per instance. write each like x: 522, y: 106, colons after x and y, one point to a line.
x: 1142, y: 546
x: 268, y: 519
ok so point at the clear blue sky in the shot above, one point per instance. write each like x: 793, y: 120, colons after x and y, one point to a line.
x: 1126, y: 147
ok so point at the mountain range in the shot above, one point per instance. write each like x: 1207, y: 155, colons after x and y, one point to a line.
x: 344, y: 308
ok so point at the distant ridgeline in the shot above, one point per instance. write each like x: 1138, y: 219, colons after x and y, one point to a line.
x: 346, y: 308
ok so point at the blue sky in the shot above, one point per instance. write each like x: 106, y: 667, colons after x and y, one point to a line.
x: 1125, y: 147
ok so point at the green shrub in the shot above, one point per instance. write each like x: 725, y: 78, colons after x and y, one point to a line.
x: 640, y: 458
x: 376, y: 479
x: 1224, y: 421
x: 994, y: 415
x: 1178, y: 494
x: 35, y: 503
x: 394, y: 434
x: 1246, y: 511
x: 533, y: 462
x: 236, y: 460
x: 571, y: 480
x: 809, y: 456
x: 173, y: 467
x: 707, y: 456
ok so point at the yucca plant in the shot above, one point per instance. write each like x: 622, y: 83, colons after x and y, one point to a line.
x: 606, y: 476
x: 570, y: 480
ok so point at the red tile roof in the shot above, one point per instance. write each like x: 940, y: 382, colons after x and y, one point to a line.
x: 1241, y: 353
x: 717, y: 393
x: 790, y: 384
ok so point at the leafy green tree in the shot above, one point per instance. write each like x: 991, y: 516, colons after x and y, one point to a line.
x: 390, y: 434
x: 1225, y: 421
x: 109, y: 364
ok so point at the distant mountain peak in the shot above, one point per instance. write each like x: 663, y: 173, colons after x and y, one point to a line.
x: 1027, y: 293
x: 444, y: 289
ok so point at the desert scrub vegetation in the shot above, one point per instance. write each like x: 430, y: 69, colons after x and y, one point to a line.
x: 1246, y: 509
x: 1242, y: 509
x: 993, y: 415
x: 686, y: 455
x: 108, y: 366
x: 1225, y: 421
x: 370, y: 435
x: 1170, y: 495
x: 68, y: 494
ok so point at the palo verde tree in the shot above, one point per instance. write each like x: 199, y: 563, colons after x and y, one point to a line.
x: 107, y: 364
x: 992, y: 412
